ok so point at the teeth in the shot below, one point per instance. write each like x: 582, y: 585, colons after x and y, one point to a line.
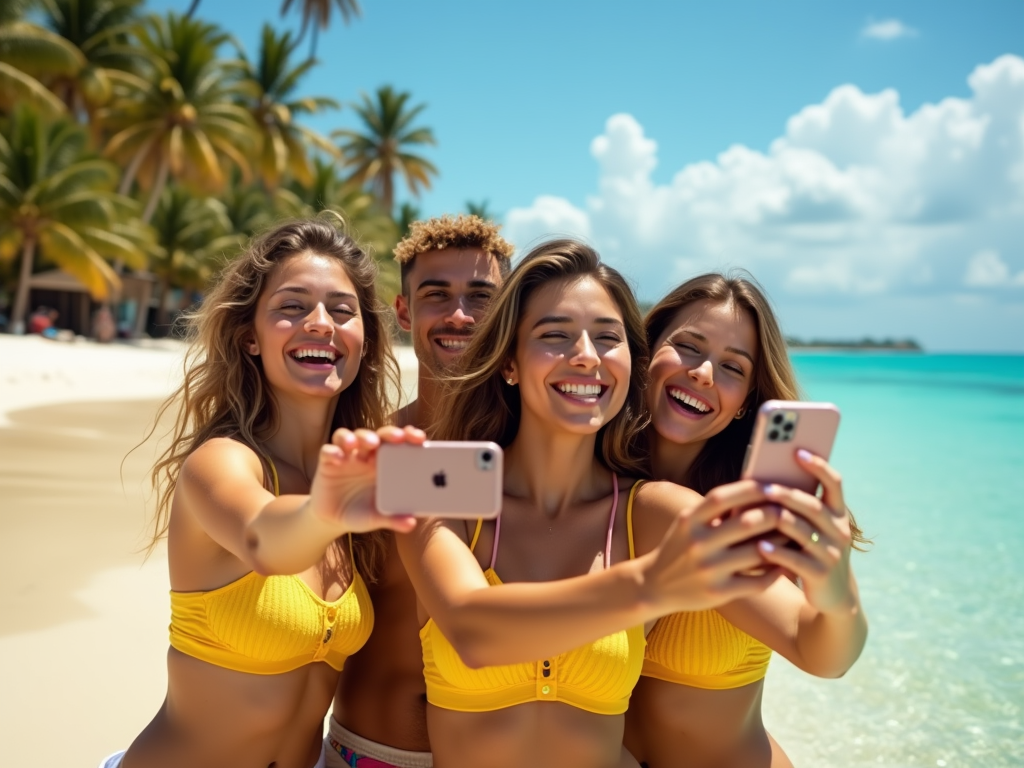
x: 326, y: 354
x: 693, y: 402
x: 454, y: 343
x: 580, y: 389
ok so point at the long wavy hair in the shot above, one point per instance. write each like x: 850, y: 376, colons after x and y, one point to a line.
x: 479, y: 405
x: 225, y: 393
x: 720, y: 461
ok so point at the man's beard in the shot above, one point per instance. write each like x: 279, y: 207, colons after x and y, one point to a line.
x: 439, y: 367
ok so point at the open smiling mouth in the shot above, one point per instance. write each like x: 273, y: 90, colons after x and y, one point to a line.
x: 585, y: 393
x: 316, y: 358
x: 688, y: 403
x: 449, y: 344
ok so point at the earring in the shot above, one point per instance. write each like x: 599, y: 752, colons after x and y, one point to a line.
x: 509, y: 380
x: 254, y: 348
x: 740, y: 412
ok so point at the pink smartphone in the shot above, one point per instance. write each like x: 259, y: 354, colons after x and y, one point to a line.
x: 783, y: 427
x: 440, y: 479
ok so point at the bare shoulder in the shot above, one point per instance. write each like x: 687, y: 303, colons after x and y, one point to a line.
x: 658, y: 504
x: 663, y: 497
x: 219, y: 459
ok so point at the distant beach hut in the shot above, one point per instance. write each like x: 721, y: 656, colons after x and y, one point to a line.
x: 65, y: 293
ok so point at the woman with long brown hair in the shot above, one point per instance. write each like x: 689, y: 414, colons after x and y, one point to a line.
x: 291, y: 343
x: 533, y: 625
x: 717, y: 355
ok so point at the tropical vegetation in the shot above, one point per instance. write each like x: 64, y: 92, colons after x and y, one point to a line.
x: 155, y: 145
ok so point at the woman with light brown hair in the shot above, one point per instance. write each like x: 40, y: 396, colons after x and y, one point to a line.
x: 290, y: 344
x: 535, y: 666
x: 717, y: 354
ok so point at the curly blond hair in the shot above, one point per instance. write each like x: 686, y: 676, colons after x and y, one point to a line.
x: 462, y: 231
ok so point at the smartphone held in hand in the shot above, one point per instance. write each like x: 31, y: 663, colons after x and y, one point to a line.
x: 440, y: 479
x: 782, y: 428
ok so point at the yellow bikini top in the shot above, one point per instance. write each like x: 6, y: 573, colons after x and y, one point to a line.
x: 597, y: 677
x: 267, y: 625
x: 703, y: 650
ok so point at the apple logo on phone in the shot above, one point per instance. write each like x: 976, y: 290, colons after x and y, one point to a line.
x: 439, y: 479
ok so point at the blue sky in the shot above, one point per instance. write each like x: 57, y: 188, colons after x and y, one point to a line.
x: 518, y: 92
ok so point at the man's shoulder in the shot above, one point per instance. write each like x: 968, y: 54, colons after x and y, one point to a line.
x: 404, y: 416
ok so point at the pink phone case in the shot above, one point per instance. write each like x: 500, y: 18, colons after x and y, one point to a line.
x: 440, y: 479
x: 783, y: 427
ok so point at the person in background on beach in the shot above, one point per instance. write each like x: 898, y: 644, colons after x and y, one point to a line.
x: 451, y: 269
x: 535, y: 666
x: 717, y: 355
x: 291, y: 343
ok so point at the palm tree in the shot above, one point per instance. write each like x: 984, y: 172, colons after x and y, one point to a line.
x: 481, y: 210
x: 383, y: 149
x: 182, y: 118
x: 192, y: 234
x: 272, y: 81
x: 407, y: 214
x: 58, y: 204
x: 81, y: 53
x: 28, y: 52
x: 364, y: 219
x: 319, y: 12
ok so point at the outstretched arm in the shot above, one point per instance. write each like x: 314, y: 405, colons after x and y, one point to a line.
x: 821, y: 628
x: 694, y: 565
x: 291, y: 533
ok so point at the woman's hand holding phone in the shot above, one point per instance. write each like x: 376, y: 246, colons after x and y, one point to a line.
x: 821, y: 526
x: 708, y: 553
x: 343, y: 489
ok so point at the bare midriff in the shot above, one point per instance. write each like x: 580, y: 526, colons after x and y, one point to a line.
x: 676, y: 726
x: 218, y: 718
x: 540, y: 734
x: 381, y: 694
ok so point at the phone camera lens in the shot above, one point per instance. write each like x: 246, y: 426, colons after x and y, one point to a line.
x: 487, y: 456
x: 777, y: 418
x: 773, y: 435
x: 788, y: 426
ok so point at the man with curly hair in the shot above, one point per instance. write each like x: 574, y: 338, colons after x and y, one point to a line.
x: 451, y: 268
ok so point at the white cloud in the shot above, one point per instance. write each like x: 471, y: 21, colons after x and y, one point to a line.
x: 887, y: 29
x: 986, y: 270
x: 855, y: 198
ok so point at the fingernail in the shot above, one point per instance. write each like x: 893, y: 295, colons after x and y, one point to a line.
x: 804, y: 455
x: 766, y: 546
x: 769, y: 487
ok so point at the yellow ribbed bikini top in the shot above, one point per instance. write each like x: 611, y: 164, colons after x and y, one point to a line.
x: 597, y: 677
x: 267, y: 625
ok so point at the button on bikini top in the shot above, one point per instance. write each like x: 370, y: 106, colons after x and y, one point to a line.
x: 267, y: 625
x: 597, y: 677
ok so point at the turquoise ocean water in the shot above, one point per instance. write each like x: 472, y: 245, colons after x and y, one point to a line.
x: 931, y: 448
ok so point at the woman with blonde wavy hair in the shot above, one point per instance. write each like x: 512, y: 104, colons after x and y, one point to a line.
x: 717, y: 353
x: 291, y: 343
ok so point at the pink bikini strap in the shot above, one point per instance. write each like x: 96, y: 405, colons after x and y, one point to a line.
x: 608, y: 539
x: 611, y: 521
x: 494, y: 546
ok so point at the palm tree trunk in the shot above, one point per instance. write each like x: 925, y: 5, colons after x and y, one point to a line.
x: 387, y: 193
x: 133, y: 168
x: 28, y: 253
x: 158, y: 188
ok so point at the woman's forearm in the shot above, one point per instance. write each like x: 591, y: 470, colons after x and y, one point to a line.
x: 523, y: 622
x: 286, y: 537
x: 830, y: 642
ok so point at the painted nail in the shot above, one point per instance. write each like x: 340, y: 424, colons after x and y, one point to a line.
x: 804, y: 455
x: 766, y: 546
